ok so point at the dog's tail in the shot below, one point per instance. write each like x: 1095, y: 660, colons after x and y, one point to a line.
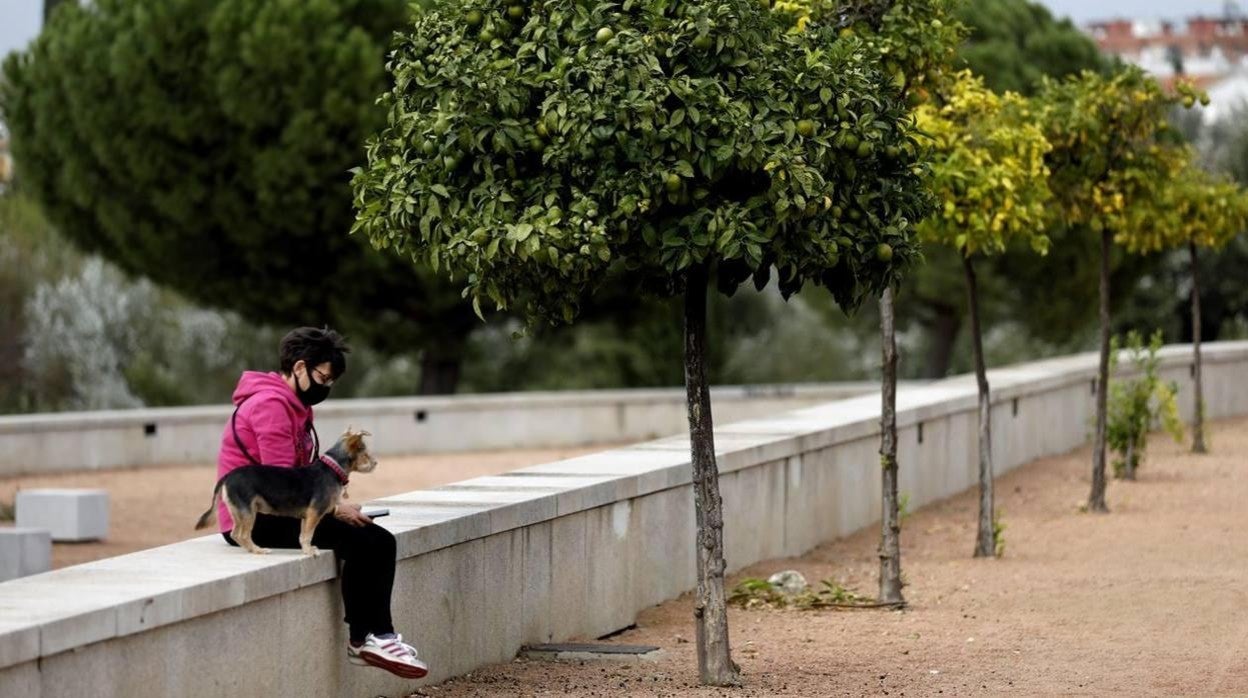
x: 216, y: 494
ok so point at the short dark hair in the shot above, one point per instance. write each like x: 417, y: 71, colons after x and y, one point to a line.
x: 314, y: 346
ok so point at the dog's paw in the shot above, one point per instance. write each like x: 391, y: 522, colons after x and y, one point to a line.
x: 312, y: 551
x: 263, y: 551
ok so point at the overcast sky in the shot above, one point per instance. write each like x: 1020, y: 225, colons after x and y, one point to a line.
x: 19, y: 22
x: 1087, y: 10
x: 19, y: 19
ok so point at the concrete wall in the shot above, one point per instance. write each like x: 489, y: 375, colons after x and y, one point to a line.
x: 74, y: 441
x: 554, y: 551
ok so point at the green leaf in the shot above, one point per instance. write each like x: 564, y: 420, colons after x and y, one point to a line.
x: 520, y: 232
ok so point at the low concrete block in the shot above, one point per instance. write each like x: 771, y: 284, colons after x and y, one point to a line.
x: 70, y: 515
x: 24, y: 551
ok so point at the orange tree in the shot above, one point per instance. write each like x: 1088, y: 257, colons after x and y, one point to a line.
x: 989, y: 173
x: 533, y: 149
x: 914, y: 42
x: 1197, y: 209
x: 1108, y: 168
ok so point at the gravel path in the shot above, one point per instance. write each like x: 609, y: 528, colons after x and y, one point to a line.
x: 1150, y: 599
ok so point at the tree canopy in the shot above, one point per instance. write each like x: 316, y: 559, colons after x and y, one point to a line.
x: 1013, y: 44
x: 1109, y: 158
x: 206, y: 145
x: 535, y: 152
x: 1195, y: 207
x: 988, y: 169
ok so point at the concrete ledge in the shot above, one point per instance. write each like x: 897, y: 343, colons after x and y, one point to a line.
x: 560, y: 550
x: 65, y: 442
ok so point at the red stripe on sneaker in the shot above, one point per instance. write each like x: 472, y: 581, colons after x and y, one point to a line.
x: 401, y: 669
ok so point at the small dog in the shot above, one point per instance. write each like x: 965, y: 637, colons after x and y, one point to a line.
x: 308, y: 493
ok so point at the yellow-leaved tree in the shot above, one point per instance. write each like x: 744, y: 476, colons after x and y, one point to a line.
x: 1197, y: 209
x: 988, y: 171
x: 1109, y: 167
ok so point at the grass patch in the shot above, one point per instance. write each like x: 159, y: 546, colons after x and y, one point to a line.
x: 759, y: 593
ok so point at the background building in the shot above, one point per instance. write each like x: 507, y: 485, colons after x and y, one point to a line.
x: 1210, y: 51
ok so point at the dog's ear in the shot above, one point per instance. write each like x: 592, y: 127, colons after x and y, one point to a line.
x: 353, y: 441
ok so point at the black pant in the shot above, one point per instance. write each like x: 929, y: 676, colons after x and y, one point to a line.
x: 367, y: 554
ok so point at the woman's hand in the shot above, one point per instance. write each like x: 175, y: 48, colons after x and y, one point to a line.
x: 350, y: 514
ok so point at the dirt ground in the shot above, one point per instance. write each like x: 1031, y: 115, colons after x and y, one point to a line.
x: 1151, y: 599
x: 157, y: 506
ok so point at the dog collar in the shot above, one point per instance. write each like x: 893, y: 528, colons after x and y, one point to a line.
x: 333, y: 465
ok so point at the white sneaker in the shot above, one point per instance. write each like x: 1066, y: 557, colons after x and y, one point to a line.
x: 389, y: 653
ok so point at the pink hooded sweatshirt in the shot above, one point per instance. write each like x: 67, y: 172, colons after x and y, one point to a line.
x: 271, y: 423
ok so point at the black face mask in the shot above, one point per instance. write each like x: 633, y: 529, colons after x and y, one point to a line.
x: 314, y: 394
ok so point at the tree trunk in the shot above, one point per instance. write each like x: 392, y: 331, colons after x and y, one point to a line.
x: 985, y: 541
x: 1128, y: 465
x: 943, y: 331
x: 439, y: 373
x: 890, y: 524
x: 1096, y: 501
x: 1198, y: 428
x: 715, y: 665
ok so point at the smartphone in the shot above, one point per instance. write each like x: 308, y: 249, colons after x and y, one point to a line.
x: 377, y: 513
